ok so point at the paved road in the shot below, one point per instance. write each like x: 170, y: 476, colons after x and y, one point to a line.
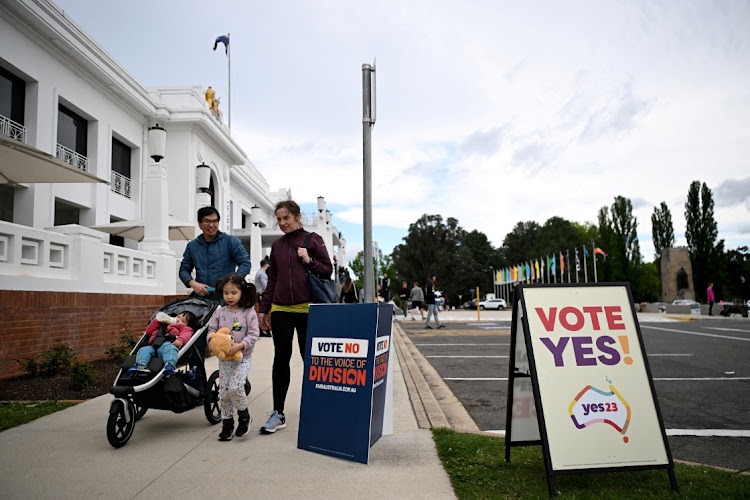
x: 700, y: 368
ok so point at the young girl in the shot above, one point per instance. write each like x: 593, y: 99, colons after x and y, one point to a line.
x: 239, y: 316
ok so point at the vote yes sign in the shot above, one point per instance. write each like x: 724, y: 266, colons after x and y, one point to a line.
x: 587, y: 363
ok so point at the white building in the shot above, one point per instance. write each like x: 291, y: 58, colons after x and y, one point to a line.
x: 75, y: 155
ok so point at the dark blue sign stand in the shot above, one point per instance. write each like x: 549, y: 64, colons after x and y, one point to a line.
x: 345, y: 382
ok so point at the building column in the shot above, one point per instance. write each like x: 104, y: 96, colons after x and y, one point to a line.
x: 155, y: 210
x: 256, y: 248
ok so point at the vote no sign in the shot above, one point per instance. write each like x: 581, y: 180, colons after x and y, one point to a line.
x: 595, y: 403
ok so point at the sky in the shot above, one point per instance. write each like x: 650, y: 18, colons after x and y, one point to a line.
x: 491, y: 112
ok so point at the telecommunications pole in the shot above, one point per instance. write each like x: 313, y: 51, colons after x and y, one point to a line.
x: 368, y: 121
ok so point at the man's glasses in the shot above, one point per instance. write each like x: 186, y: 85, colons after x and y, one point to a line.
x: 210, y: 222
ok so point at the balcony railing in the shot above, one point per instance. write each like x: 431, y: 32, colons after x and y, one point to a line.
x: 12, y: 129
x: 69, y: 156
x: 120, y: 184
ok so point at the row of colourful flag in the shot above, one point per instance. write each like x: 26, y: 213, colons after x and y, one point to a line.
x: 545, y: 269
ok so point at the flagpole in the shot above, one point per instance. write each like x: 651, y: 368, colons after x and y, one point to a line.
x: 585, y: 266
x: 578, y: 264
x: 593, y: 247
x: 229, y: 79
x: 567, y: 257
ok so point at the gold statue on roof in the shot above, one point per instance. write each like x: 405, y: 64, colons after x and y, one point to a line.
x: 210, y: 97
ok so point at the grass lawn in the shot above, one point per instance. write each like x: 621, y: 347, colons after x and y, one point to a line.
x: 13, y: 414
x: 477, y: 468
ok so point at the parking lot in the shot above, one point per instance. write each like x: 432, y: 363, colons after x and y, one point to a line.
x: 701, y: 372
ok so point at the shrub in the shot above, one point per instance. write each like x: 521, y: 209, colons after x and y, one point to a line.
x: 120, y: 351
x: 56, y: 359
x: 82, y: 373
x: 29, y: 365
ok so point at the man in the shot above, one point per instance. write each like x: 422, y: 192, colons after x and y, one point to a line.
x: 429, y: 299
x: 213, y: 255
x: 385, y: 287
x: 261, y: 281
x: 404, y: 295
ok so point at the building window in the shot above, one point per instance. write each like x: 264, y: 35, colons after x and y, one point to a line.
x: 120, y: 182
x: 7, y: 195
x: 66, y: 214
x: 72, y: 131
x: 12, y: 96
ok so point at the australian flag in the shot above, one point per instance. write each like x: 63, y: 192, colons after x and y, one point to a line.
x: 222, y: 39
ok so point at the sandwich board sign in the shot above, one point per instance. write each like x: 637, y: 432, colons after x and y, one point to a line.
x: 347, y: 383
x: 579, y: 382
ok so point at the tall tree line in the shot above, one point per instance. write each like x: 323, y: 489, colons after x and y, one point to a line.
x: 463, y: 260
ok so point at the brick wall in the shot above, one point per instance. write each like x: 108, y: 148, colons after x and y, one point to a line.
x: 32, y: 322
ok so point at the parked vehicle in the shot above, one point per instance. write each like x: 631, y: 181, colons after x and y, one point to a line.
x: 498, y: 304
x: 469, y: 304
x: 685, y: 302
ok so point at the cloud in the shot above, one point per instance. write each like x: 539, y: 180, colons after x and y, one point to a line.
x: 482, y: 142
x: 616, y: 116
x: 733, y: 192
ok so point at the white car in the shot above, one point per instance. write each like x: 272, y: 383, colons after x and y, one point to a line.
x: 685, y: 302
x: 498, y: 304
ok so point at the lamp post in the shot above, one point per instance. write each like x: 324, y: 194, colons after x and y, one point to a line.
x: 203, y: 182
x: 255, y: 215
x: 321, y: 204
x: 157, y: 140
x: 156, y: 196
x: 368, y: 121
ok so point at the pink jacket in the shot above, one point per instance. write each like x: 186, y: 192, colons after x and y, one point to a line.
x: 182, y: 332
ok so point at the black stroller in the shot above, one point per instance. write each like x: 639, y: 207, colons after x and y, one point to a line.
x: 134, y: 395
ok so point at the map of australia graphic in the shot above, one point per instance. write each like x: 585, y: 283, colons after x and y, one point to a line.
x: 595, y: 406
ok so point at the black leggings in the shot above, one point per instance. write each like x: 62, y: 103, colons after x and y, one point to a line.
x: 284, y: 324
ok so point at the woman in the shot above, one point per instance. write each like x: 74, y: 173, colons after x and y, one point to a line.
x: 348, y: 292
x: 286, y: 299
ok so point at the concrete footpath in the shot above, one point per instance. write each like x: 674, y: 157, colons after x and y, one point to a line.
x: 67, y: 455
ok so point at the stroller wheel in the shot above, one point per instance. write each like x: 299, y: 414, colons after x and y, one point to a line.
x: 119, y: 429
x: 211, y: 399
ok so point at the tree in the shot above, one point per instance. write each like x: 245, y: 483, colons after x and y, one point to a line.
x: 737, y: 264
x: 521, y: 244
x: 606, y: 241
x: 382, y: 265
x: 430, y: 247
x: 477, y: 260
x: 626, y: 252
x: 662, y: 230
x: 701, y: 232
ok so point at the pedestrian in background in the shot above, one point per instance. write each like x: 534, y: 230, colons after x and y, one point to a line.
x: 432, y: 308
x: 404, y: 294
x: 348, y: 292
x: 416, y: 297
x: 710, y: 297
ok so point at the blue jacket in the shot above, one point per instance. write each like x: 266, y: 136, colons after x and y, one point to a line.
x: 213, y: 259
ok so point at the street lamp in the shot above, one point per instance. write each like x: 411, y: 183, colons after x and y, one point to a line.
x: 328, y: 216
x: 204, y: 177
x: 157, y: 139
x: 321, y: 204
x: 255, y: 214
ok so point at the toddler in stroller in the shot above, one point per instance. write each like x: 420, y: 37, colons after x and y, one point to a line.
x: 166, y: 344
x: 186, y: 389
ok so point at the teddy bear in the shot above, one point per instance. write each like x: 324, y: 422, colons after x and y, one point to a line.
x: 219, y: 344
